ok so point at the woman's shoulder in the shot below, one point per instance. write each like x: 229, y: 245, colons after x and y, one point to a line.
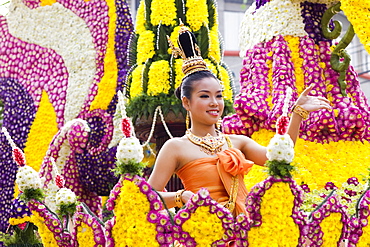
x: 175, y: 142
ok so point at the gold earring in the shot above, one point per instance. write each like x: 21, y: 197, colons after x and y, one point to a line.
x: 187, y: 120
x: 218, y: 124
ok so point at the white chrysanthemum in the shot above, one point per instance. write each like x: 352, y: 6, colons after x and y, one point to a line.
x: 50, y: 195
x: 130, y: 149
x: 277, y: 17
x: 65, y: 196
x: 281, y: 148
x: 28, y: 178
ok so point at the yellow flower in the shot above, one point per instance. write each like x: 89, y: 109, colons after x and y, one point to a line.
x: 164, y: 12
x: 214, y: 45
x: 310, y: 157
x: 136, y: 86
x: 277, y: 224
x: 145, y: 46
x: 358, y: 13
x: 47, y: 237
x: 225, y: 80
x: 293, y: 43
x: 204, y: 227
x: 131, y: 212
x: 178, y: 72
x: 331, y: 226
x: 196, y: 14
x: 159, y: 78
x: 85, y: 236
x: 140, y: 18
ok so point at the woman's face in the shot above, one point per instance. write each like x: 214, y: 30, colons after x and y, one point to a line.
x: 206, y: 104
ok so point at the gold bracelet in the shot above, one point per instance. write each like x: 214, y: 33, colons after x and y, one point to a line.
x: 178, y: 198
x: 300, y: 111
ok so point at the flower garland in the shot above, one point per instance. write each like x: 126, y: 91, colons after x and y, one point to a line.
x: 196, y: 14
x: 203, y: 222
x: 159, y: 78
x: 357, y: 13
x: 163, y: 12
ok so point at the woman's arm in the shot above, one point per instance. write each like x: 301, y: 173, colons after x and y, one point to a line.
x: 308, y: 103
x: 165, y: 166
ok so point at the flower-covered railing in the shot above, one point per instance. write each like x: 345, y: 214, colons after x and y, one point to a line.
x: 62, y: 60
x: 288, y: 49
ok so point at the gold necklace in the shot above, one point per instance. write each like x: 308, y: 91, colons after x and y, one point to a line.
x: 208, y: 144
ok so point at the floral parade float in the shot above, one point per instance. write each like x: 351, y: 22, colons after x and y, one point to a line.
x: 62, y: 64
x: 287, y: 48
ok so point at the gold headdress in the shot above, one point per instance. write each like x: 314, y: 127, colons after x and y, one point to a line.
x: 189, y: 51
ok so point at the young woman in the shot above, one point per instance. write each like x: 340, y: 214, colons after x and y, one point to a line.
x: 204, y: 157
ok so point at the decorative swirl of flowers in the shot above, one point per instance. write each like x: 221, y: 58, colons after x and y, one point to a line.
x: 138, y: 216
x: 49, y: 226
x: 359, y: 224
x: 203, y: 222
x: 357, y: 13
x: 93, y: 233
x: 159, y: 78
x: 163, y: 12
x: 327, y: 223
x: 267, y: 212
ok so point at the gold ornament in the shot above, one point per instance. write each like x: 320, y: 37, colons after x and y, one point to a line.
x: 208, y: 144
x: 187, y: 120
x: 301, y: 111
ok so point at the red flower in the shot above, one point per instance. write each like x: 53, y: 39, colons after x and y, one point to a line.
x: 22, y: 226
x: 282, y: 125
x: 59, y: 181
x: 126, y: 126
x: 18, y: 157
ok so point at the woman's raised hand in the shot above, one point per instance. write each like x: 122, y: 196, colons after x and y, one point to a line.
x: 312, y: 103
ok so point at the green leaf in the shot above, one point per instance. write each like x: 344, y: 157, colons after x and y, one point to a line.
x: 146, y: 75
x: 29, y: 194
x: 279, y: 168
x: 132, y: 167
x: 180, y: 10
x: 203, y: 41
x: 162, y: 40
x: 148, y: 12
x: 211, y: 13
x: 132, y: 49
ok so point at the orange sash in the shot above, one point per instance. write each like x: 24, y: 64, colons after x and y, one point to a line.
x: 216, y: 174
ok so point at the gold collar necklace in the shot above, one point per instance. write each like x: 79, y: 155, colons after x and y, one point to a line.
x: 208, y: 144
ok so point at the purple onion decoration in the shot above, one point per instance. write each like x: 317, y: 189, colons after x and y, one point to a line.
x: 203, y: 199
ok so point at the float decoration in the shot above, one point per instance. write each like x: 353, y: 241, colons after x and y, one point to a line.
x: 203, y: 222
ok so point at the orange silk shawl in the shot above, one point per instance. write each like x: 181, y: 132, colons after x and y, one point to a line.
x: 215, y: 174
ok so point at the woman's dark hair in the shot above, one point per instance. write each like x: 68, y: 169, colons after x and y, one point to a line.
x: 186, y: 86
